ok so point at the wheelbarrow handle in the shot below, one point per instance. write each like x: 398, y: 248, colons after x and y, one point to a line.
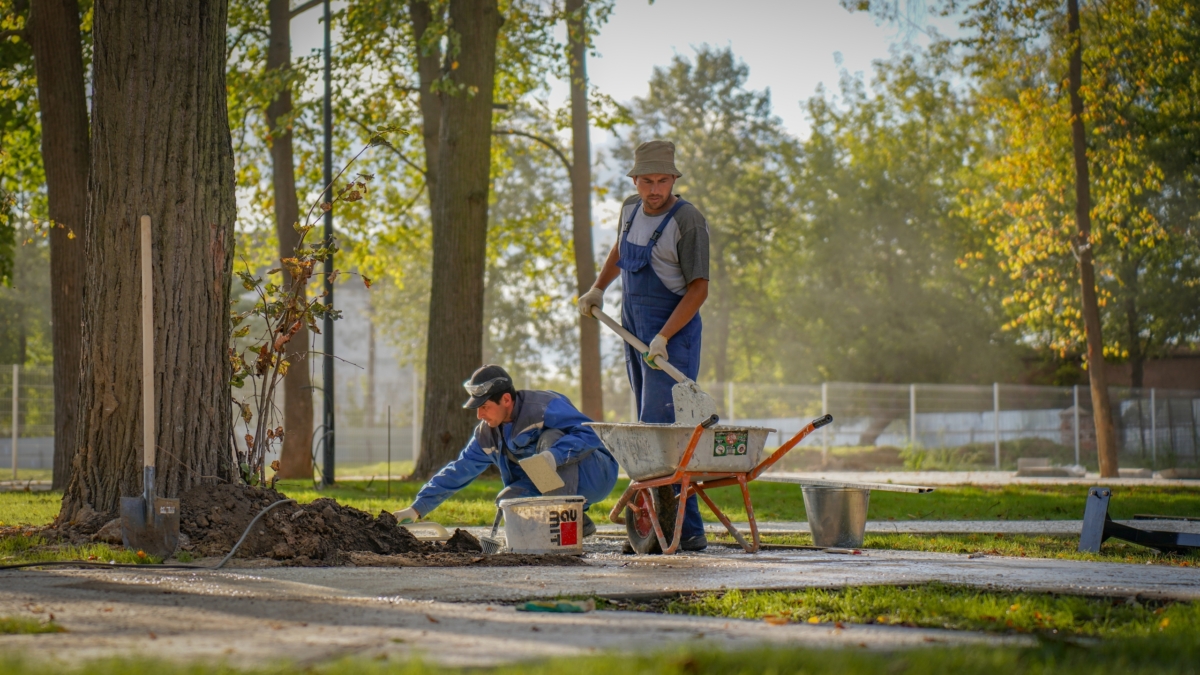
x: 638, y: 344
x: 793, y: 442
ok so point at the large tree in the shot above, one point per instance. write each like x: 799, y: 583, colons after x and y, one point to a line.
x: 53, y: 31
x: 161, y: 147
x: 459, y: 194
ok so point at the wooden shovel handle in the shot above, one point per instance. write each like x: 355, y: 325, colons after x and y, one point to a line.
x: 147, y: 347
x: 638, y: 344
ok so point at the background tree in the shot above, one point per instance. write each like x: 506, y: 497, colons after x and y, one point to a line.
x: 54, y: 33
x: 159, y: 89
x: 459, y: 214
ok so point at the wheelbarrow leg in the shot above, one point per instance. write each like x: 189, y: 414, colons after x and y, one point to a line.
x: 616, y: 515
x: 658, y: 531
x: 733, y: 531
x: 749, y: 510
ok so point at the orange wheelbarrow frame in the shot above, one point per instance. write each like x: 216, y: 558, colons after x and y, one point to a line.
x: 697, y: 482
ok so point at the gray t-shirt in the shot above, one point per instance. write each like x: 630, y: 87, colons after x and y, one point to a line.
x: 681, y: 254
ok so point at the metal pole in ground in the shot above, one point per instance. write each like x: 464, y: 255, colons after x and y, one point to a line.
x: 327, y: 383
x: 1075, y: 391
x: 416, y: 415
x: 389, y: 414
x: 16, y: 419
x: 996, y: 418
x: 912, y: 415
x: 824, y: 429
x: 1153, y: 429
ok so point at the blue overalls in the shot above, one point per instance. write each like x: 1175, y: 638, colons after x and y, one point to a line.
x: 646, y: 306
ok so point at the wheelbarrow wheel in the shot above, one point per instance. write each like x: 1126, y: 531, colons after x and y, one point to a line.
x: 640, y: 528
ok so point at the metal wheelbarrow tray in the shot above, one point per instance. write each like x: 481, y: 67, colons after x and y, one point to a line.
x: 694, y: 458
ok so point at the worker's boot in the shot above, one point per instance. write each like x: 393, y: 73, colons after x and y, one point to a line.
x: 696, y: 543
x: 589, y: 528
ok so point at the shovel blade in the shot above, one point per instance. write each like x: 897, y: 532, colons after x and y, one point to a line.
x: 154, y: 531
x: 692, y: 404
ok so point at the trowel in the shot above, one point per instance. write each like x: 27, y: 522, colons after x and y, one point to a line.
x: 692, y: 404
x: 149, y: 523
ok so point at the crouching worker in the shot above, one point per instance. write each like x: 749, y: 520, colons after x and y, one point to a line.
x: 536, y: 439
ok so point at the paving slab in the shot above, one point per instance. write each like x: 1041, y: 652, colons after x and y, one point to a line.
x: 249, y: 617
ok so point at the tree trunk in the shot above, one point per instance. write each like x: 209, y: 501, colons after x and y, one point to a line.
x: 160, y: 146
x: 1106, y: 441
x: 58, y: 58
x: 429, y: 68
x: 295, y: 459
x: 460, y: 207
x: 591, y: 391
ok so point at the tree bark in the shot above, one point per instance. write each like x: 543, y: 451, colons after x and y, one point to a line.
x: 295, y: 458
x: 1106, y: 441
x: 591, y: 391
x: 55, y: 38
x: 160, y: 146
x: 429, y: 68
x: 460, y: 208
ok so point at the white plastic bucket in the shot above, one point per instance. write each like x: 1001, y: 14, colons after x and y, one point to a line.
x: 542, y: 525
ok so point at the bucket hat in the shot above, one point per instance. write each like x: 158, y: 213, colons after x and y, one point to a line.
x: 654, y: 157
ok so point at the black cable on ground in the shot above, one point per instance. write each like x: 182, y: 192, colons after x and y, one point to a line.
x: 152, y: 566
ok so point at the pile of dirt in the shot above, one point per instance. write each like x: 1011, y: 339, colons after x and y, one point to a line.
x: 213, y: 517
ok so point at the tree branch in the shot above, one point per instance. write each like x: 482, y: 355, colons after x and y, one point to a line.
x: 304, y: 8
x: 389, y: 146
x: 21, y: 33
x: 549, y: 144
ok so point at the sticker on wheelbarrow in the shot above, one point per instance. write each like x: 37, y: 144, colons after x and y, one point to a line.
x: 729, y: 443
x: 564, y: 527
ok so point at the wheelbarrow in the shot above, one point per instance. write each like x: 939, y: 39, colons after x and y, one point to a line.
x: 659, y: 457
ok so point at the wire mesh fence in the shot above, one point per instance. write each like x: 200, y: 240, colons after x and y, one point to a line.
x: 876, y: 426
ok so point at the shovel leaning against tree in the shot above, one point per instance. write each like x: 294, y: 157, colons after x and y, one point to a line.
x: 149, y: 523
x: 692, y: 404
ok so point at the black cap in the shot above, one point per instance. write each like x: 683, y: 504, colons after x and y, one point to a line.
x: 484, y: 382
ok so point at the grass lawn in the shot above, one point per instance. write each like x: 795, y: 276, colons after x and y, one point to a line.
x: 951, y: 607
x: 999, y: 544
x: 1167, y: 652
x: 772, y: 501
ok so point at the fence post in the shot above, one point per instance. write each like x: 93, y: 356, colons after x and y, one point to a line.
x: 416, y: 415
x: 16, y: 419
x: 389, y: 425
x: 912, y: 415
x: 1153, y: 431
x: 729, y: 402
x: 1075, y: 391
x: 996, y: 418
x: 824, y: 429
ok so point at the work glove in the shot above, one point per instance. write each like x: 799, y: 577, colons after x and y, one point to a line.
x: 593, y: 298
x: 408, y: 515
x: 658, y: 348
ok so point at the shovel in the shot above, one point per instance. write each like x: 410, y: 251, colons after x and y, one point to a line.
x: 692, y: 404
x: 149, y: 523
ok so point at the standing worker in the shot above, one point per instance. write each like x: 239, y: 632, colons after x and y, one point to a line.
x: 536, y: 438
x: 661, y: 255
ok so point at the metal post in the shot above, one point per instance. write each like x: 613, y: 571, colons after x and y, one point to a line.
x: 389, y: 422
x: 1153, y: 430
x: 729, y: 402
x: 912, y: 415
x: 16, y: 418
x: 416, y: 415
x: 1075, y: 391
x: 327, y: 385
x: 996, y: 418
x: 824, y: 429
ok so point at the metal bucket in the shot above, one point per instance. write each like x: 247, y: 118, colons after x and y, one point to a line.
x: 837, y: 516
x: 542, y: 525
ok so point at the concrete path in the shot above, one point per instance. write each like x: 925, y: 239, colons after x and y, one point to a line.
x: 968, y: 478
x: 310, y: 614
x: 1032, y: 527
